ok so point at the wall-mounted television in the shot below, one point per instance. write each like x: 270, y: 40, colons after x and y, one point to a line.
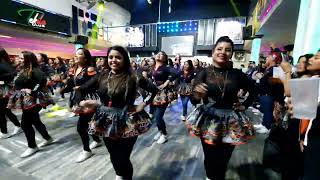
x: 174, y: 45
x: 231, y: 27
x: 135, y: 36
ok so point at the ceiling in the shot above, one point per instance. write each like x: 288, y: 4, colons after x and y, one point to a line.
x: 280, y: 29
x: 142, y: 12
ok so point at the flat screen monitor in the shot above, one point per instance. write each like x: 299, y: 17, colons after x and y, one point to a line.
x: 231, y: 27
x: 135, y: 36
x: 174, y: 45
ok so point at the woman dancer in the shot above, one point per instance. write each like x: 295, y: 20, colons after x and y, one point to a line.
x: 117, y: 89
x: 84, y: 71
x: 30, y: 95
x: 7, y: 74
x: 162, y: 76
x: 185, y: 87
x: 222, y: 125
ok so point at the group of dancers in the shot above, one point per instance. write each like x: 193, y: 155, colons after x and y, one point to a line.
x: 106, y: 94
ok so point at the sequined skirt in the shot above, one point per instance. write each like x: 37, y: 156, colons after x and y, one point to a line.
x: 165, y: 96
x: 23, y: 100
x: 185, y: 89
x: 116, y: 123
x: 220, y: 125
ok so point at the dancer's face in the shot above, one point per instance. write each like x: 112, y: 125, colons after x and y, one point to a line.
x: 301, y: 66
x: 115, y: 61
x: 222, y: 53
x: 160, y: 57
x: 314, y: 63
x: 79, y: 58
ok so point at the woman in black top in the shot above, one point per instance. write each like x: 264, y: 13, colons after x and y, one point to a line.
x: 222, y: 125
x: 185, y: 86
x: 311, y: 151
x: 31, y: 95
x: 162, y: 76
x: 117, y: 90
x: 83, y: 72
x: 7, y: 74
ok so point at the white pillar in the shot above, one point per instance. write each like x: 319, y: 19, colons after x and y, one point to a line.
x: 255, y: 50
x: 307, y: 38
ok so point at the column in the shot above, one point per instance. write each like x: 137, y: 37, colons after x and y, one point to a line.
x: 308, y: 29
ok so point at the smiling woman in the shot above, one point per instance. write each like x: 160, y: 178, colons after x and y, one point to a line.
x: 222, y: 124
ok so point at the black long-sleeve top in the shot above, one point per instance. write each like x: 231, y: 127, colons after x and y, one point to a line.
x: 118, y: 97
x: 7, y: 72
x: 162, y: 74
x: 186, y: 78
x: 36, y: 81
x: 235, y: 81
x: 78, y: 80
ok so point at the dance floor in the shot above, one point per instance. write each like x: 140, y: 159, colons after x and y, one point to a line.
x: 181, y: 158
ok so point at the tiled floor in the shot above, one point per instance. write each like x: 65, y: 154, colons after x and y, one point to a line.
x: 181, y: 158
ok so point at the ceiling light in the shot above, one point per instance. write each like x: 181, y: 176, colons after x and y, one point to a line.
x: 3, y: 36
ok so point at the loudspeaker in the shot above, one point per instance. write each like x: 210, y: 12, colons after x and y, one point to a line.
x: 247, y: 32
x: 81, y: 40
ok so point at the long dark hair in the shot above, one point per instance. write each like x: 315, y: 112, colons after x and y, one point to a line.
x: 165, y: 56
x: 125, y: 55
x: 4, y: 57
x: 29, y: 63
x: 190, y: 66
x: 45, y: 58
x: 88, y: 58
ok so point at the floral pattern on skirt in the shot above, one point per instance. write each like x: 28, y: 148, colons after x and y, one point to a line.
x: 220, y: 125
x: 76, y: 97
x: 22, y: 100
x: 117, y: 123
x: 165, y: 96
x: 185, y: 89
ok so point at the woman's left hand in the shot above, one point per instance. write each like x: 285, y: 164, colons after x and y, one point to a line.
x: 164, y: 85
x: 28, y: 91
x: 239, y: 107
x: 138, y: 108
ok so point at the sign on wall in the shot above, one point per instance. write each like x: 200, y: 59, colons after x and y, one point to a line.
x: 17, y: 12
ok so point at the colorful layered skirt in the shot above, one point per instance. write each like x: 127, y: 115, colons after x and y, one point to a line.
x: 165, y: 96
x: 185, y: 89
x: 5, y: 91
x: 216, y: 126
x: 117, y: 123
x: 22, y: 100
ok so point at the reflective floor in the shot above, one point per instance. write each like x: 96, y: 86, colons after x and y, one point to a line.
x: 181, y: 158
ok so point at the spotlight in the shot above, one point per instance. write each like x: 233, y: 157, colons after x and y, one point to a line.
x: 101, y: 6
x: 149, y: 1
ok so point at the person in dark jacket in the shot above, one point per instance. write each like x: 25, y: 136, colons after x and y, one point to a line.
x: 31, y: 95
x: 7, y: 74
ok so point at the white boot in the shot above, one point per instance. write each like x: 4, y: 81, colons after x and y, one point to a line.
x: 84, y: 155
x: 183, y: 118
x: 16, y: 130
x: 4, y: 136
x: 46, y: 142
x: 29, y: 152
x: 95, y: 144
x: 119, y: 177
x: 157, y: 136
x: 163, y: 138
